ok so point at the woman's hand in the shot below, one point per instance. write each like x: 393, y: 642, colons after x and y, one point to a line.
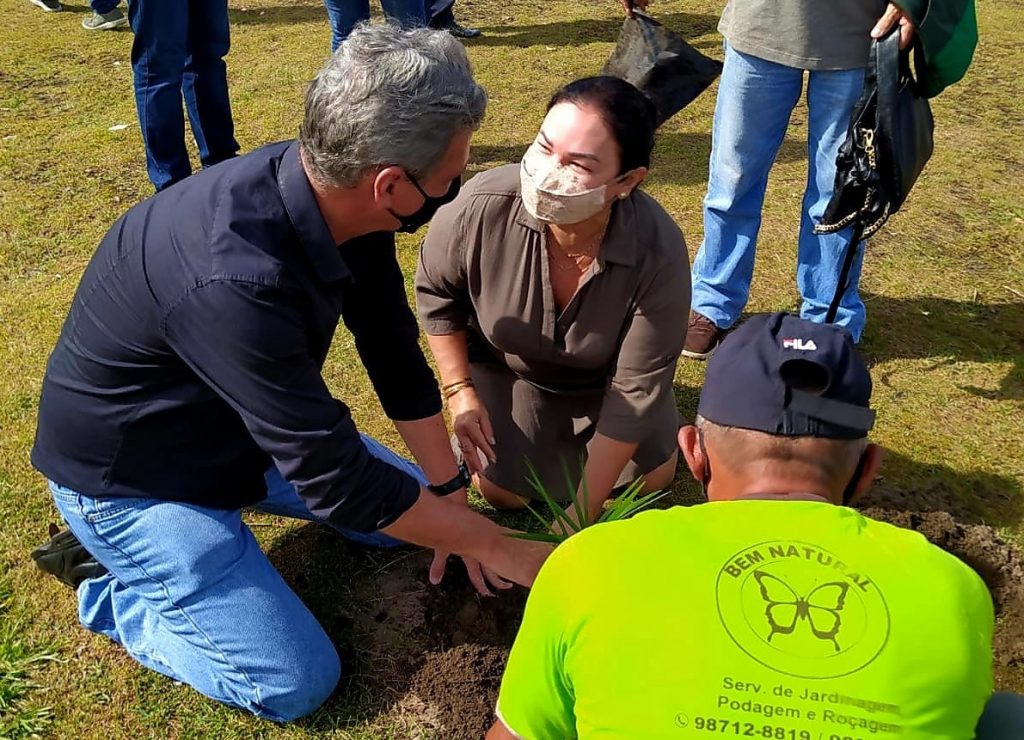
x: 472, y: 429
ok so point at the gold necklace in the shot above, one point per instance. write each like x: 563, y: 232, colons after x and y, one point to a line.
x: 590, y: 252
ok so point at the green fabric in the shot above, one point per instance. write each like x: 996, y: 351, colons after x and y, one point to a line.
x: 947, y: 33
x: 765, y: 619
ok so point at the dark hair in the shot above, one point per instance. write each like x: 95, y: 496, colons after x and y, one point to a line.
x: 627, y: 112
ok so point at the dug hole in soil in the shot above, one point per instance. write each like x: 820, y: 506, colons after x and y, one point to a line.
x: 439, y: 652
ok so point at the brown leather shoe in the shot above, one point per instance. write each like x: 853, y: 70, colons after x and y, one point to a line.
x: 702, y: 337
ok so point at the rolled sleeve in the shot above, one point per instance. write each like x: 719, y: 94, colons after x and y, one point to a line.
x: 442, y: 299
x: 647, y: 358
x: 376, y: 310
x: 259, y: 363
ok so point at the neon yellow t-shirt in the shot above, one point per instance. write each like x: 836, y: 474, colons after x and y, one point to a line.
x: 788, y: 620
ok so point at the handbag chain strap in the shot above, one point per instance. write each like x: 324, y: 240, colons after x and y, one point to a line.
x: 867, y: 141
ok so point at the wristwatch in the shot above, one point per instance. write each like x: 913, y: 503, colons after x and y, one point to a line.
x: 461, y: 480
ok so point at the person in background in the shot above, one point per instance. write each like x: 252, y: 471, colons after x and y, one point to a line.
x: 437, y: 14
x: 554, y: 295
x: 105, y: 15
x: 442, y: 17
x: 187, y: 384
x: 774, y: 610
x: 345, y: 15
x: 768, y: 48
x: 179, y: 50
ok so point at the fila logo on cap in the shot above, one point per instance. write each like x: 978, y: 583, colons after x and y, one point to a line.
x: 800, y: 344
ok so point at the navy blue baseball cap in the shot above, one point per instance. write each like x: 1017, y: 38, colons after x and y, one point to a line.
x: 780, y: 374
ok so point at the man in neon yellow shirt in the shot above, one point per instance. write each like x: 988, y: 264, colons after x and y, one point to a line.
x: 774, y: 611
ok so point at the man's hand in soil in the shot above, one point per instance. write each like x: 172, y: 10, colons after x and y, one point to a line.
x: 453, y: 527
x: 479, y: 576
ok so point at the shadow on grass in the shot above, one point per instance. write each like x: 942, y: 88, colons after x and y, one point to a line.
x: 335, y: 580
x: 948, y: 331
x: 566, y: 33
x: 904, y: 484
x: 972, y: 497
x: 300, y: 12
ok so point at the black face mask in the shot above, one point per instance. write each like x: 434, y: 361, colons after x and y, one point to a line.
x: 422, y: 216
x: 705, y: 480
x: 851, y: 487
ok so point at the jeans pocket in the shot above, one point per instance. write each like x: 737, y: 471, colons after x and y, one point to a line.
x: 62, y: 494
x: 104, y: 509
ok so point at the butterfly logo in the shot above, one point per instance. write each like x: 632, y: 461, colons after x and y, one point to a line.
x: 821, y: 608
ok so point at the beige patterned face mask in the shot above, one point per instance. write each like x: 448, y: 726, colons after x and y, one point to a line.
x: 552, y: 192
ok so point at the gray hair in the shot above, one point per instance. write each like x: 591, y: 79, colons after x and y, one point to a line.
x: 388, y: 97
x: 738, y: 448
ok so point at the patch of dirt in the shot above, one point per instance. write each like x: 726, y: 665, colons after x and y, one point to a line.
x: 895, y: 502
x: 470, y: 636
x: 461, y: 686
x: 999, y: 565
x: 425, y: 658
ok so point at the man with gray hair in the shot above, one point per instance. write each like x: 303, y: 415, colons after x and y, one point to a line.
x: 187, y: 384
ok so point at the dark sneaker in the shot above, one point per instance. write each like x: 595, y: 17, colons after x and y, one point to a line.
x: 50, y: 6
x: 64, y: 558
x: 457, y: 30
x: 702, y: 337
x: 105, y: 21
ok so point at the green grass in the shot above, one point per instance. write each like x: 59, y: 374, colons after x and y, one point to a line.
x: 21, y: 713
x: 944, y: 283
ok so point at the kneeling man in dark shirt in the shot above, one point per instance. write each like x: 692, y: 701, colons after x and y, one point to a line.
x: 187, y: 383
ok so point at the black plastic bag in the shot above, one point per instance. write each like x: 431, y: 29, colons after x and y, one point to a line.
x: 666, y: 69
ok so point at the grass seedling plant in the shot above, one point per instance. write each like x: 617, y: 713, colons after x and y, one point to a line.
x: 562, y: 525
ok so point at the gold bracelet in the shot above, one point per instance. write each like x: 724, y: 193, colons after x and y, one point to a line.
x: 452, y: 388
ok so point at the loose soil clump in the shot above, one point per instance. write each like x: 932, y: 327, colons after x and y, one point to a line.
x: 999, y: 565
x: 461, y: 686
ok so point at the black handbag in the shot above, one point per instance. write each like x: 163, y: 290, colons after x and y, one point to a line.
x: 888, y: 143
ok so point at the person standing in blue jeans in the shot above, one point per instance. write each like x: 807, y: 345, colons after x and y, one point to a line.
x: 346, y: 14
x: 769, y: 45
x: 179, y: 50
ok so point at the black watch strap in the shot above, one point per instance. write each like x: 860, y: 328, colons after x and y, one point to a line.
x: 461, y: 480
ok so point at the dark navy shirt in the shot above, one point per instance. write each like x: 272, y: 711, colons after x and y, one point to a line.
x: 191, y: 358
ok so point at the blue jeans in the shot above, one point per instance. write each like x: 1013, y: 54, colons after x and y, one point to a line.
x: 755, y: 100
x: 191, y: 595
x: 1003, y: 718
x: 440, y: 13
x: 179, y: 49
x: 345, y: 14
x: 103, y: 6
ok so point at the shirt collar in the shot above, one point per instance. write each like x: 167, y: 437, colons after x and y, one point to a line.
x: 308, y: 222
x: 619, y: 243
